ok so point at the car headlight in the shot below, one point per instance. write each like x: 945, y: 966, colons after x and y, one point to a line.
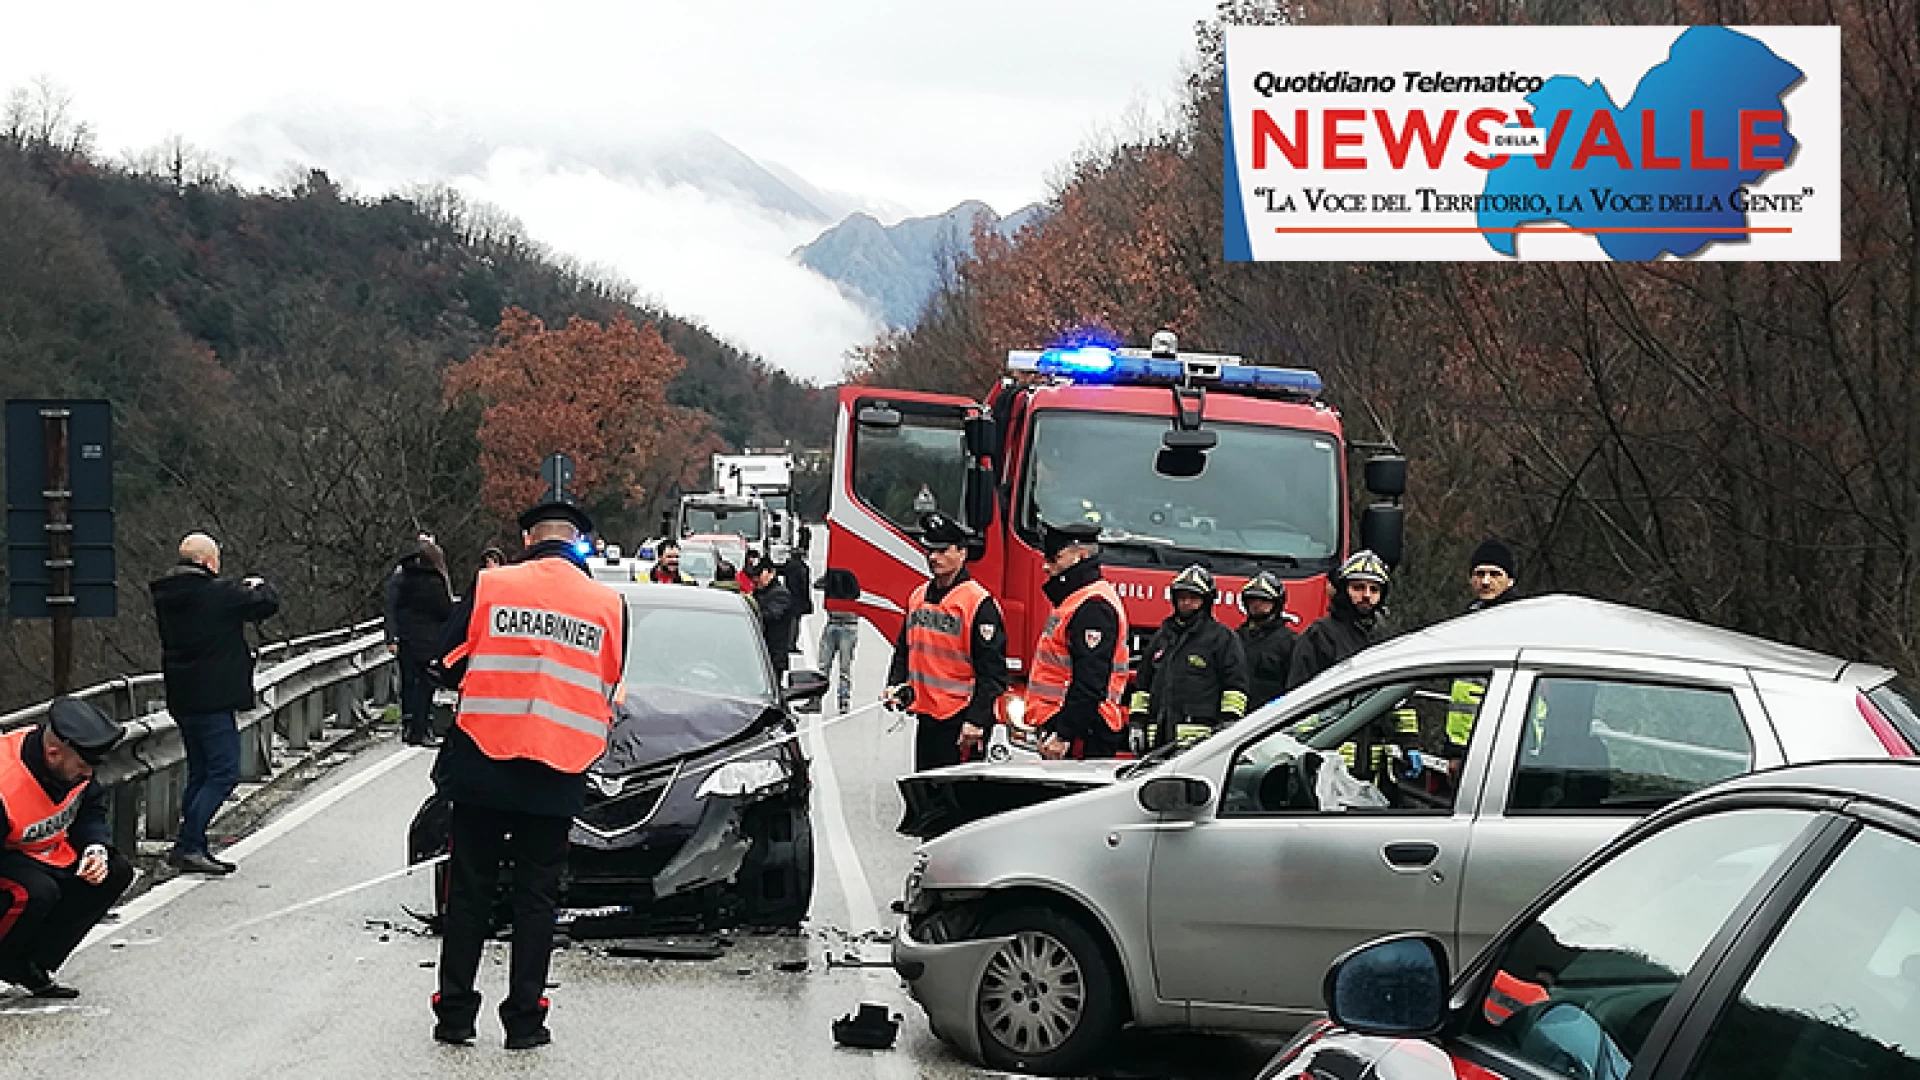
x: 911, y: 892
x: 743, y: 778
x: 1014, y: 708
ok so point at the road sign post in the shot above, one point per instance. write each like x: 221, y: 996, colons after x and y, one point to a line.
x: 557, y: 471
x: 60, y: 556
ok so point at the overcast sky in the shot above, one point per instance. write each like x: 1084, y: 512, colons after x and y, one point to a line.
x: 905, y: 108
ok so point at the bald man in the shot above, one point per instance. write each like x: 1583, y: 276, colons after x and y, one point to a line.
x: 208, y: 670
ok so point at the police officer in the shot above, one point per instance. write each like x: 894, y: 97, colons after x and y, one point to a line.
x: 1076, y: 687
x: 1193, y: 675
x: 58, y: 874
x: 1352, y: 621
x: 536, y: 652
x: 1266, y: 637
x: 950, y: 661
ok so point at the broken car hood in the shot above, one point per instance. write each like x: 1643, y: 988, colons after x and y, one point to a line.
x: 657, y: 724
x: 941, y: 800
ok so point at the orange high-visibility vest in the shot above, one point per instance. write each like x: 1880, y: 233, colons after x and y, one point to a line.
x: 36, y: 825
x: 1053, y: 665
x: 543, y: 664
x: 940, y: 648
x: 1509, y: 995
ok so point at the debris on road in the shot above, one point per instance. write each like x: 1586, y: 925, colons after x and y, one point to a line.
x: 791, y: 966
x: 872, y: 1029
x: 668, y: 948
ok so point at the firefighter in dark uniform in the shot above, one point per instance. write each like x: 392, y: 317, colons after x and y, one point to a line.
x: 950, y: 662
x: 1077, y: 683
x: 536, y: 653
x: 1352, y: 621
x: 1192, y: 678
x: 1266, y: 637
x: 58, y: 873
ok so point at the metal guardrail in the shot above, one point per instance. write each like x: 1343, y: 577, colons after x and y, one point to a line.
x: 299, y: 684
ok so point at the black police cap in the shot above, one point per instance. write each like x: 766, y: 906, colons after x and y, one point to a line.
x: 556, y: 510
x: 937, y: 530
x: 1057, y: 538
x: 80, y: 725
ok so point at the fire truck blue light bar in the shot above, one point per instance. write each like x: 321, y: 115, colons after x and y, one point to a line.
x: 1093, y: 364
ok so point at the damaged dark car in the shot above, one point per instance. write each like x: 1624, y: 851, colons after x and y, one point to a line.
x: 697, y: 814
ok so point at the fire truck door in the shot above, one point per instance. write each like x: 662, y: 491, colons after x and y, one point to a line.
x: 896, y: 454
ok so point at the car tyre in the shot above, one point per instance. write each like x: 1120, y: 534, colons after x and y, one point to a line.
x: 1048, y: 1000
x: 776, y: 878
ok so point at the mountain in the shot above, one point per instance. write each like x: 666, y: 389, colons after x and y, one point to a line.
x: 892, y: 270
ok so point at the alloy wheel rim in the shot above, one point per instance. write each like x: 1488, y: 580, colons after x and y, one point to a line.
x: 1032, y: 995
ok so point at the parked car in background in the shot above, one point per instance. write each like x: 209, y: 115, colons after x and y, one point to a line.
x: 697, y: 814
x: 1436, y: 782
x: 1766, y: 930
x: 697, y: 560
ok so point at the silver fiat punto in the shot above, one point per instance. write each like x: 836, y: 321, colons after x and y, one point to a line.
x: 1435, y: 782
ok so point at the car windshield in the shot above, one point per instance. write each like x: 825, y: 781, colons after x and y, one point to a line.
x: 739, y: 522
x: 1265, y: 493
x: 712, y: 652
x: 697, y: 563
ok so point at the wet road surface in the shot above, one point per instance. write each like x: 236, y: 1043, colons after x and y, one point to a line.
x: 187, y: 982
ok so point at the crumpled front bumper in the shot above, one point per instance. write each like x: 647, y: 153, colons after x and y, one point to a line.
x: 944, y: 979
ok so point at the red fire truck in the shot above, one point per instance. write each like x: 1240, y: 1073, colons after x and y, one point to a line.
x: 1177, y: 457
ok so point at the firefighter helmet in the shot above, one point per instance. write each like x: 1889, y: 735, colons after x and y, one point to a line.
x: 1362, y: 565
x: 1195, y: 579
x: 1266, y: 585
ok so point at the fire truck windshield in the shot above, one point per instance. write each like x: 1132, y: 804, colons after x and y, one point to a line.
x: 708, y: 520
x: 1266, y: 494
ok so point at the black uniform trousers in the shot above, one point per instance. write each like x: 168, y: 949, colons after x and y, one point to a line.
x: 46, y: 911
x: 936, y: 743
x: 481, y: 838
x: 416, y: 694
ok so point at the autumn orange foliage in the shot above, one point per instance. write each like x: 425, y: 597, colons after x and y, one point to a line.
x: 597, y: 393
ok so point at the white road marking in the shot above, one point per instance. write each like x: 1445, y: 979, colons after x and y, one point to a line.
x: 168, y: 891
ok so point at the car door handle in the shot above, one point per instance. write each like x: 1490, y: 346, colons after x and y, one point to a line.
x: 1411, y: 854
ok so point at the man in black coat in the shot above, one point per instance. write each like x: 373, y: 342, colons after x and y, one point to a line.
x: 1266, y: 637
x: 776, y: 609
x: 1351, y: 624
x: 1491, y: 574
x: 416, y: 621
x: 208, y: 669
x: 1192, y: 676
x: 794, y: 574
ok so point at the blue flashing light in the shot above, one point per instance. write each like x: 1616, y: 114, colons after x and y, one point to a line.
x: 1079, y: 360
x: 1296, y: 380
x: 583, y: 546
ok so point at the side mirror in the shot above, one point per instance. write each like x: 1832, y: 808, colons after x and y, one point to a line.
x: 1386, y: 475
x: 980, y: 501
x: 879, y: 416
x: 802, y: 684
x: 1383, y: 529
x: 982, y: 440
x: 1395, y: 987
x: 1175, y: 795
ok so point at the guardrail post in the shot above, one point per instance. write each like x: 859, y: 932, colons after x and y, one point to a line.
x: 163, y: 802
x: 291, y: 719
x: 314, y: 714
x: 123, y: 816
x: 256, y: 749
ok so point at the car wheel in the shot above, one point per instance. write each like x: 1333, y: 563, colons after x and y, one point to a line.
x: 1048, y: 998
x: 776, y: 878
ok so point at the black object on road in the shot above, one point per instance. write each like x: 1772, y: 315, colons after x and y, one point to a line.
x: 872, y: 1029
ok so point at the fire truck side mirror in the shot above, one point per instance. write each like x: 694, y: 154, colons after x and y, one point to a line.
x: 879, y: 416
x: 980, y: 499
x: 1383, y: 528
x: 980, y: 437
x: 1386, y: 475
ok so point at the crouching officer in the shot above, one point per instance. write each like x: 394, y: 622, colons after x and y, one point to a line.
x: 950, y: 662
x: 58, y: 874
x: 1075, y: 689
x: 1193, y: 675
x: 1266, y: 637
x: 536, y: 652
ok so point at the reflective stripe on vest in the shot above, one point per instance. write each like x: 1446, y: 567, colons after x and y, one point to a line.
x: 1052, y: 670
x: 1465, y: 699
x: 543, y: 664
x: 940, y: 648
x: 36, y: 825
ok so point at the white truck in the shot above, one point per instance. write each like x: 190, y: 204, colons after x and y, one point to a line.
x: 766, y: 475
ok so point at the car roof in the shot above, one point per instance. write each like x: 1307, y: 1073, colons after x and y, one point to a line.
x: 1565, y: 622
x: 1894, y: 782
x: 682, y: 597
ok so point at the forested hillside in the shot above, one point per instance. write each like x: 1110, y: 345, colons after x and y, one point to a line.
x: 1736, y: 442
x: 276, y: 362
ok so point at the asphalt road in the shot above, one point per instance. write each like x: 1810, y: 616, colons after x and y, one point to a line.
x: 219, y: 978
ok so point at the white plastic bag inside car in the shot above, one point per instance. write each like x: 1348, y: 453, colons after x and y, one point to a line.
x: 1336, y: 789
